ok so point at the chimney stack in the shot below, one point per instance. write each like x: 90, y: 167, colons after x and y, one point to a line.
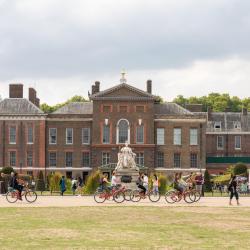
x: 97, y: 86
x: 16, y: 91
x: 32, y: 95
x: 149, y: 86
x: 209, y: 113
x: 244, y: 111
x: 37, y: 102
x: 194, y: 107
x: 93, y: 89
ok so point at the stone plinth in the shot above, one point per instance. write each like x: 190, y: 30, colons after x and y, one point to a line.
x: 124, y: 175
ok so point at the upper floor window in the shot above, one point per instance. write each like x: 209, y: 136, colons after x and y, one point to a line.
x: 220, y: 142
x: 12, y: 138
x: 106, y: 108
x: 177, y: 136
x: 139, y: 109
x: 237, y: 142
x: 52, y: 135
x: 12, y: 155
x: 139, y: 159
x: 123, y: 132
x: 106, y: 134
x: 237, y: 125
x: 69, y: 135
x: 140, y: 134
x: 52, y: 159
x: 85, y: 135
x: 217, y: 125
x: 30, y: 135
x: 124, y: 108
x: 160, y: 136
x: 193, y: 136
x: 160, y: 159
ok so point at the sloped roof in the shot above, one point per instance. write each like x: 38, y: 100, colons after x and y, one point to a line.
x: 141, y: 94
x: 18, y: 106
x: 84, y: 108
x: 170, y: 108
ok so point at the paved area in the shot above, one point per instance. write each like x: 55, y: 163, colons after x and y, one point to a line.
x: 77, y: 201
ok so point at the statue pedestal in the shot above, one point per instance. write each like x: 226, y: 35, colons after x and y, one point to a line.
x: 127, y: 177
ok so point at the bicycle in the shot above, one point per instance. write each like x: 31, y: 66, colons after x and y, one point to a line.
x: 30, y: 195
x: 173, y: 196
x: 137, y: 195
x: 117, y: 195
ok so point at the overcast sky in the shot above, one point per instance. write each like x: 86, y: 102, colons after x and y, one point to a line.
x: 188, y: 47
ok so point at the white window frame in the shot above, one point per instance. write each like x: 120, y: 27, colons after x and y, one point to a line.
x: 10, y: 158
x: 72, y: 154
x: 27, y: 158
x: 117, y: 131
x: 106, y: 157
x: 140, y: 158
x: 30, y: 142
x: 193, y: 136
x: 103, y: 128
x: 88, y: 142
x: 160, y: 136
x: 217, y: 124
x: 237, y: 125
x: 52, y: 143
x: 177, y: 136
x: 69, y: 143
x: 140, y: 127
x: 14, y: 142
x: 235, y: 142
x: 50, y: 158
x: 220, y: 148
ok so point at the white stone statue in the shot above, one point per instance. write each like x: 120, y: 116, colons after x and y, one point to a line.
x: 126, y: 158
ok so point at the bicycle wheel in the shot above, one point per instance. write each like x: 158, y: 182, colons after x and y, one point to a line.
x: 31, y: 196
x: 196, y: 196
x: 171, y: 197
x: 189, y: 197
x: 11, y: 197
x: 135, y: 196
x: 154, y: 196
x: 100, y: 196
x: 119, y: 197
x: 127, y: 194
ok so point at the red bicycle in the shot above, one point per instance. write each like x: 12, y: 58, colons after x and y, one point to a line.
x: 116, y: 193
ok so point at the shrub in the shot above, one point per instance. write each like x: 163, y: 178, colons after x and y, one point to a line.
x: 40, y: 184
x: 240, y: 169
x: 162, y: 184
x: 54, y: 180
x: 7, y: 170
x: 207, y: 182
x: 92, y: 183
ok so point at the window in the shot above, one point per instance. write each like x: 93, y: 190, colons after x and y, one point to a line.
x: 220, y: 142
x: 52, y: 159
x: 217, y: 125
x: 29, y: 159
x: 237, y: 142
x: 139, y: 109
x: 30, y: 173
x: 12, y: 135
x: 69, y: 159
x: 237, y: 125
x: 85, y: 135
x: 160, y: 159
x: 140, y: 134
x: 177, y: 160
x: 106, y: 108
x: 30, y: 135
x: 177, y: 136
x: 106, y: 134
x: 124, y: 109
x: 52, y: 135
x: 85, y: 159
x: 139, y: 159
x: 105, y: 158
x: 193, y: 160
x: 193, y: 136
x: 160, y: 133
x: 69, y: 135
x: 13, y: 158
x: 123, y: 131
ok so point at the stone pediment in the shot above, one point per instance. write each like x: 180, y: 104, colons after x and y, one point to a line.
x: 122, y: 91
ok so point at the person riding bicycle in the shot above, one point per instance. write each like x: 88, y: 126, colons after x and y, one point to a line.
x: 178, y: 183
x: 104, y: 183
x: 139, y: 184
x: 13, y: 183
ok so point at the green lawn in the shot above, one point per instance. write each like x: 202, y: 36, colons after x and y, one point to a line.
x: 125, y: 228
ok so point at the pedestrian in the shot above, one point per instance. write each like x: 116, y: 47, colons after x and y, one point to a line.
x: 62, y: 185
x: 233, y: 190
x: 198, y: 182
x: 114, y: 180
x: 145, y: 181
x: 155, y: 184
x: 73, y: 185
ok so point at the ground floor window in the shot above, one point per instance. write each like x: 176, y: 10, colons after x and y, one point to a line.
x: 177, y: 160
x: 52, y: 159
x: 85, y: 159
x: 160, y: 159
x: 30, y: 173
x: 69, y: 159
x: 105, y: 158
x: 193, y: 160
x: 12, y: 155
x: 29, y: 159
x: 140, y: 159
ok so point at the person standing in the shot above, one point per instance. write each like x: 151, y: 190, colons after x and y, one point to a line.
x: 198, y: 182
x: 73, y: 185
x: 232, y: 188
x: 62, y: 185
x: 114, y: 180
x: 155, y: 184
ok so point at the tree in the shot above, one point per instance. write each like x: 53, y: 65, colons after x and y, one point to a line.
x: 40, y: 184
x: 7, y: 170
x: 207, y: 182
x: 240, y: 169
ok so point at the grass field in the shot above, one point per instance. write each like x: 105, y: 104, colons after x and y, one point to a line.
x: 125, y: 228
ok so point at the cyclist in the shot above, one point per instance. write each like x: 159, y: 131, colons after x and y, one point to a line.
x: 114, y: 180
x: 104, y: 183
x: 139, y: 184
x: 178, y: 183
x: 13, y: 183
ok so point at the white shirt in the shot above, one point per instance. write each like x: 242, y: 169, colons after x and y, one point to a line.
x: 145, y: 180
x: 113, y: 180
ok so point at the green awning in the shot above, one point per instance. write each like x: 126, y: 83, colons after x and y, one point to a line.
x: 228, y: 159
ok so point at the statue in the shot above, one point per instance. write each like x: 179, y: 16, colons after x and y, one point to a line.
x: 126, y: 158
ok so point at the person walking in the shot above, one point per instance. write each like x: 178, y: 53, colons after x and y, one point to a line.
x: 232, y: 188
x: 114, y: 180
x: 73, y: 185
x: 155, y: 184
x: 145, y: 181
x: 198, y: 182
x: 62, y: 185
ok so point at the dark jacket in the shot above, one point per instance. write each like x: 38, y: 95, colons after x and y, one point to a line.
x: 13, y: 182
